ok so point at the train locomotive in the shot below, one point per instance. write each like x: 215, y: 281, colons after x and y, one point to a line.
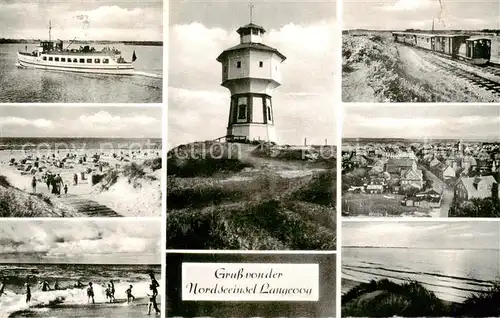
x: 472, y: 49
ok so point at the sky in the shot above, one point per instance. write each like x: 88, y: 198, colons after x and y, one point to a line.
x: 444, y: 235
x: 81, y: 241
x: 418, y: 14
x: 303, y: 31
x: 420, y: 121
x: 84, y: 19
x: 88, y: 121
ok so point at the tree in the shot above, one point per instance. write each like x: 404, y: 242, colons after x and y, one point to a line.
x: 486, y: 208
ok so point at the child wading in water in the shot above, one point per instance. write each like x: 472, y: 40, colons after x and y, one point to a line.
x: 130, y: 297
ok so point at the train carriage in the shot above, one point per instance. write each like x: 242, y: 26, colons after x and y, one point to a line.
x: 424, y: 40
x: 475, y: 49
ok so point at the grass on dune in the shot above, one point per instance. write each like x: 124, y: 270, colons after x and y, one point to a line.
x: 265, y: 212
x: 213, y: 203
x: 17, y: 203
x: 484, y: 304
x: 385, y: 298
x: 265, y: 225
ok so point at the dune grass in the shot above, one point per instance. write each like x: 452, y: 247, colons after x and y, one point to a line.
x: 17, y: 203
x: 265, y: 212
x: 213, y: 202
x: 485, y: 304
x: 385, y: 298
x: 266, y: 225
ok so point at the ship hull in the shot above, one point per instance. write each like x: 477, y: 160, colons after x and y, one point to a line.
x: 29, y: 61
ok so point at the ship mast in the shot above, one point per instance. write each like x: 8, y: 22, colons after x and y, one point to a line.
x: 50, y: 29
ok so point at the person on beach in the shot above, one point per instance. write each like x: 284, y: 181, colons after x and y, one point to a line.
x: 60, y: 183
x: 112, y: 289
x: 152, y: 300
x: 33, y: 184
x: 75, y: 179
x: 56, y: 285
x: 28, y: 292
x: 66, y: 189
x: 130, y: 297
x: 2, y: 287
x: 47, y: 181
x: 53, y: 182
x: 90, y: 293
x: 108, y: 294
x: 45, y: 286
x: 154, y: 283
x: 79, y: 284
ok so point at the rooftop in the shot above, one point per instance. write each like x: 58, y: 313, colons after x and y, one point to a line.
x: 251, y: 26
x: 254, y: 46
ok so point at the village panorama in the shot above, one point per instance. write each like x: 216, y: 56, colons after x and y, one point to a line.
x: 420, y: 178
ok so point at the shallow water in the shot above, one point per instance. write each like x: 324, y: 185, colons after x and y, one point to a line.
x: 453, y: 274
x: 71, y: 301
x: 41, y: 86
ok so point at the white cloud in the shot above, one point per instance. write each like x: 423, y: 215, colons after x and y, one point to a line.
x: 393, y: 122
x: 411, y: 5
x: 70, y: 240
x: 104, y: 118
x: 108, y: 22
x: 17, y: 121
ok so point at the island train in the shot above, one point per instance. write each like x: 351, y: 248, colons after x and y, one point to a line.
x: 472, y: 49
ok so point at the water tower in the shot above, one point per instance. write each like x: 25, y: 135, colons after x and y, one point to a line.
x: 251, y: 71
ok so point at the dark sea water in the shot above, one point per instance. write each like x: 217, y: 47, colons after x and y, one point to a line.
x: 43, y: 143
x: 453, y: 274
x: 40, y: 86
x: 71, y: 301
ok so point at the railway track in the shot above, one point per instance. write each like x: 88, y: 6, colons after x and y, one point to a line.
x: 446, y: 63
x: 495, y: 70
x: 488, y: 84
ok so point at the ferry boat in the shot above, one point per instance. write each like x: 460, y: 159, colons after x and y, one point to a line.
x: 51, y: 55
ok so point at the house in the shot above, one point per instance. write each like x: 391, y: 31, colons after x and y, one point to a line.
x: 434, y: 162
x: 448, y: 173
x: 395, y: 166
x: 374, y: 188
x: 411, y: 179
x: 477, y: 187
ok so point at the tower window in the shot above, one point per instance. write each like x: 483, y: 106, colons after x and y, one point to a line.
x: 238, y: 64
x: 261, y: 64
x: 269, y: 114
x: 255, y: 31
x: 242, y: 111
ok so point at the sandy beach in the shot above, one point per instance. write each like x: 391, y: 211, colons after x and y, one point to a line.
x: 77, y: 168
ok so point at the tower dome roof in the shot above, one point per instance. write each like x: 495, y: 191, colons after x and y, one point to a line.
x: 250, y: 46
x: 251, y: 26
